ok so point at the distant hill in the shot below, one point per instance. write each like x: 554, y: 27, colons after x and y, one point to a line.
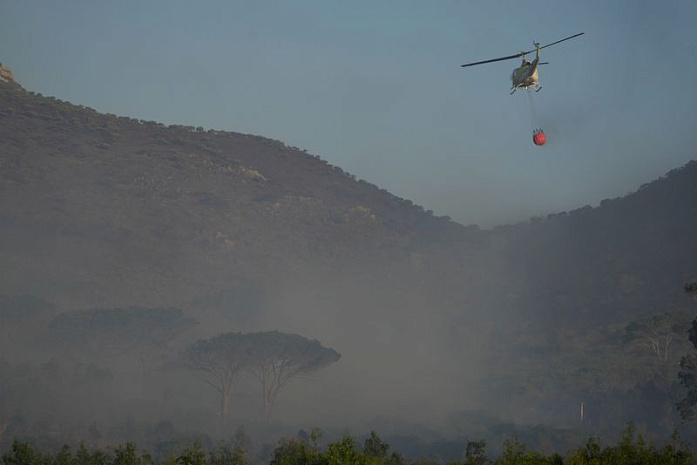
x: 100, y: 208
x: 106, y: 211
x: 628, y: 257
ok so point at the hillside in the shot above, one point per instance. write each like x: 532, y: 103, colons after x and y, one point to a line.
x: 589, y: 289
x: 93, y: 202
x: 245, y: 233
x: 627, y: 257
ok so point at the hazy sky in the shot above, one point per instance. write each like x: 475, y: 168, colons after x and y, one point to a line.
x: 377, y: 89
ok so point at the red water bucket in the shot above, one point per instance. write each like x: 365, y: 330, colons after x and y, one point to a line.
x: 538, y: 137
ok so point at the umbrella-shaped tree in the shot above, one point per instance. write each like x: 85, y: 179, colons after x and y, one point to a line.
x: 276, y: 358
x: 220, y: 359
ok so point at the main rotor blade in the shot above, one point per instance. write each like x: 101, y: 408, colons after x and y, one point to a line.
x: 558, y: 41
x: 518, y: 55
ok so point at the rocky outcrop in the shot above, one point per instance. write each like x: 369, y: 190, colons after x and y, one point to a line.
x: 6, y: 74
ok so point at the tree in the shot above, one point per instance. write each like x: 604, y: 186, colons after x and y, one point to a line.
x: 237, y: 455
x: 343, y: 453
x: 375, y: 447
x: 657, y: 332
x: 276, y: 358
x: 514, y: 452
x: 21, y: 453
x: 475, y: 453
x: 691, y: 289
x: 294, y: 452
x: 688, y: 378
x: 688, y: 367
x: 221, y: 359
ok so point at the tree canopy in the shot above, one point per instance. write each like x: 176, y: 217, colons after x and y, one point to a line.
x: 220, y: 359
x: 274, y: 358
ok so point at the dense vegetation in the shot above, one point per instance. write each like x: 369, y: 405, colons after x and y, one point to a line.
x: 304, y: 450
x: 70, y: 388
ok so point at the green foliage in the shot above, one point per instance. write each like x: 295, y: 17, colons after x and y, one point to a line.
x: 223, y: 455
x: 193, y: 456
x: 631, y: 449
x: 237, y: 455
x: 343, y: 453
x: 127, y: 454
x: 516, y: 453
x: 294, y: 452
x: 64, y: 456
x: 475, y: 453
x: 22, y: 453
x: 375, y: 447
x: 84, y: 457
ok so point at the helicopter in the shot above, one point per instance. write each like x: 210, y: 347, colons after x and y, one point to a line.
x: 526, y: 76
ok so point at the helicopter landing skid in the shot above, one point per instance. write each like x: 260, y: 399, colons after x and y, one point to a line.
x: 536, y: 88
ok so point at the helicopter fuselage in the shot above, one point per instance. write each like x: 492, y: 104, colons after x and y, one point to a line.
x: 525, y: 76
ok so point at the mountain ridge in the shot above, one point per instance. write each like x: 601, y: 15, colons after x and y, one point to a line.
x: 64, y: 166
x: 152, y: 193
